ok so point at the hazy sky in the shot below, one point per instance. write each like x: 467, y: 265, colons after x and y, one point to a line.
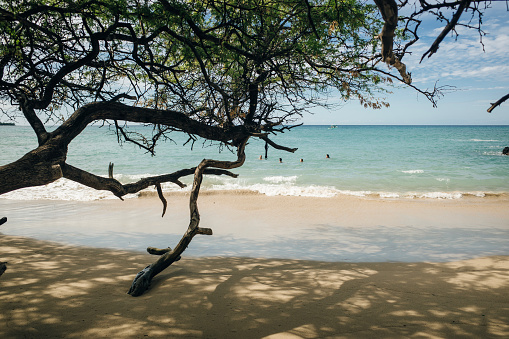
x: 480, y: 77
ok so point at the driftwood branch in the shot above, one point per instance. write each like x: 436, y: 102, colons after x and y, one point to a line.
x: 168, y: 256
x: 498, y: 102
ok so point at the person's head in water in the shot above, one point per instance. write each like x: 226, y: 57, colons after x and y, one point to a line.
x: 327, y: 156
x: 505, y: 151
x: 280, y: 160
x: 301, y: 160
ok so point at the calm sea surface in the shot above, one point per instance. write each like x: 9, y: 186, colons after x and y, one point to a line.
x: 380, y: 161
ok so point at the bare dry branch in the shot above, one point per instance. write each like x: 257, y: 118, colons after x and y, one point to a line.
x: 142, y: 280
x: 498, y: 102
x: 120, y: 190
x: 450, y: 26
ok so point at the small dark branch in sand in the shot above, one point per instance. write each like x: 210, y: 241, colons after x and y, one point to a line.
x: 168, y: 256
x: 161, y: 196
x: 3, y: 267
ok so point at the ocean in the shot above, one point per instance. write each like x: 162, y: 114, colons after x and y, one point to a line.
x: 415, y: 184
x: 437, y: 162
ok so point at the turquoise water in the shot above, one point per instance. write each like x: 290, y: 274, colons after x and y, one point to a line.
x: 376, y: 161
x: 384, y: 161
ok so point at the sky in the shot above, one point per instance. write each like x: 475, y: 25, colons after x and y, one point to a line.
x: 480, y: 78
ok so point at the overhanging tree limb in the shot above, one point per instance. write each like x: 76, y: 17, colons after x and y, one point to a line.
x: 120, y: 190
x: 389, y: 11
x: 450, y: 26
x: 498, y: 102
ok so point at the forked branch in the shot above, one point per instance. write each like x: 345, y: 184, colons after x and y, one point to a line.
x: 168, y: 256
x: 120, y: 190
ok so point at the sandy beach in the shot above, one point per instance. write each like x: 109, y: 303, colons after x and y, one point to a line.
x: 53, y: 290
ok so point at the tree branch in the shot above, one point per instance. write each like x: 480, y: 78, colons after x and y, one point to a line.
x: 389, y: 11
x: 120, y: 190
x: 499, y: 101
x: 277, y: 146
x: 168, y: 256
x: 88, y: 113
x: 434, y: 47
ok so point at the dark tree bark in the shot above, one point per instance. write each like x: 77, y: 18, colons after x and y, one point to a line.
x: 498, y: 103
x: 168, y: 256
x: 450, y: 26
x: 47, y: 163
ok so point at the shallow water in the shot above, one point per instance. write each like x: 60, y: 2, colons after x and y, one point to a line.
x: 254, y: 233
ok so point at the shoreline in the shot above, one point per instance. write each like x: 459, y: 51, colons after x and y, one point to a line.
x: 67, y: 190
x: 50, y: 290
x: 338, y: 229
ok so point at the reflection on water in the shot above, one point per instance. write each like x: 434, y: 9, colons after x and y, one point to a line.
x: 88, y: 224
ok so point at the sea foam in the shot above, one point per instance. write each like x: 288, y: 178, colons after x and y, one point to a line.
x: 413, y: 171
x: 67, y: 190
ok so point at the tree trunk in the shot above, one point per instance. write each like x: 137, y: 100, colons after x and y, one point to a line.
x: 31, y: 170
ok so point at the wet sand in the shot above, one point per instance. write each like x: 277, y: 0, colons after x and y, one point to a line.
x: 53, y: 290
x: 348, y: 229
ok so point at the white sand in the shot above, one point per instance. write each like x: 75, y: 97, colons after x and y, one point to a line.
x: 52, y: 290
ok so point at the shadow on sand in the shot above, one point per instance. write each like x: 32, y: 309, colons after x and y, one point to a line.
x: 54, y: 291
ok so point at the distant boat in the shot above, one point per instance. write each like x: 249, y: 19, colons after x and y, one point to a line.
x: 7, y: 124
x: 333, y: 126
